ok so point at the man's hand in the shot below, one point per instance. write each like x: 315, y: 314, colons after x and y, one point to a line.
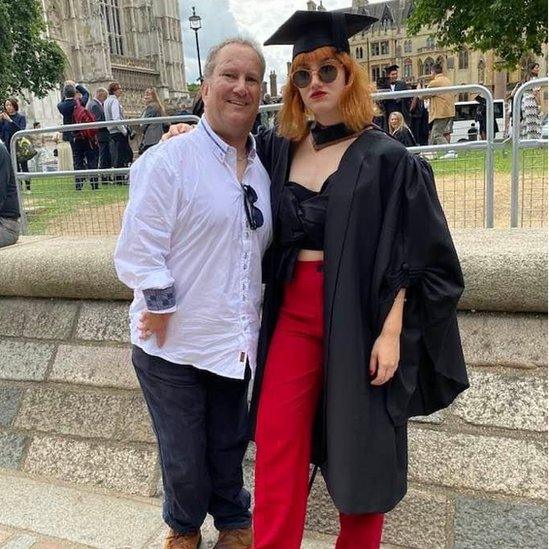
x: 384, y: 358
x: 177, y: 129
x: 153, y: 324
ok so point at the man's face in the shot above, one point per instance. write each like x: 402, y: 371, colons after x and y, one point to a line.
x: 102, y: 97
x: 231, y: 95
x: 393, y: 76
x: 118, y: 92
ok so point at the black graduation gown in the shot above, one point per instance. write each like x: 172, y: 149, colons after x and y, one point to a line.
x: 385, y: 230
x: 404, y: 136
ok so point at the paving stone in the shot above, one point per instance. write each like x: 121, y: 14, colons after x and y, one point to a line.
x: 480, y: 524
x: 104, y: 321
x: 128, y: 469
x: 437, y: 417
x: 37, y: 318
x: 9, y: 404
x: 492, y: 464
x: 69, y: 412
x: 135, y: 424
x: 5, y: 533
x: 498, y: 339
x: 94, y: 365
x: 24, y: 361
x: 21, y: 541
x: 501, y: 400
x: 77, y: 517
x: 11, y: 450
x: 418, y: 521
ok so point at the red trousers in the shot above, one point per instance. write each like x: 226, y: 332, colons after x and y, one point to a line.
x: 292, y: 385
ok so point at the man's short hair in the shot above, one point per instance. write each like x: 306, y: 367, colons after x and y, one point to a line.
x: 69, y: 91
x: 211, y: 60
x: 437, y: 68
x: 101, y: 91
x: 113, y: 86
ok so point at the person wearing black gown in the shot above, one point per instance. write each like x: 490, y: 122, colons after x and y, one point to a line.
x: 400, y: 131
x: 359, y: 329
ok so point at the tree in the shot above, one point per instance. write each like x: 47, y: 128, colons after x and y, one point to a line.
x: 511, y: 28
x: 29, y: 60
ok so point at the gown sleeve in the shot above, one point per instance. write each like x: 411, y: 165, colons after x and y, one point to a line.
x: 423, y: 259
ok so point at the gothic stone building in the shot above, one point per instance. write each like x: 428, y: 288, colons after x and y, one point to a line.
x: 136, y: 42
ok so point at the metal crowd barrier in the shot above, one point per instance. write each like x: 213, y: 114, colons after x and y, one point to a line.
x: 488, y: 146
x: 22, y: 176
x: 537, y: 198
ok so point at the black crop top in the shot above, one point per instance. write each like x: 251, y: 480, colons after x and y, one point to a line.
x: 302, y: 216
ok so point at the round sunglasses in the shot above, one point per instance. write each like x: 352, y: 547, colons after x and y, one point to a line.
x: 327, y: 73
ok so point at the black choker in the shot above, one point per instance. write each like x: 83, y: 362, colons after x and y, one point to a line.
x: 324, y: 136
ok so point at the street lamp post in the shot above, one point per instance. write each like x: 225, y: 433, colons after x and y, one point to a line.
x: 196, y: 24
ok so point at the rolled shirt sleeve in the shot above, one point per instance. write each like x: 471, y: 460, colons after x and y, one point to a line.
x: 144, y: 243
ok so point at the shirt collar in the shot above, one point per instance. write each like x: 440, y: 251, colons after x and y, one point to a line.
x: 222, y: 150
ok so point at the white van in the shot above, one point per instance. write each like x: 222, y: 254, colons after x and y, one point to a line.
x: 465, y: 116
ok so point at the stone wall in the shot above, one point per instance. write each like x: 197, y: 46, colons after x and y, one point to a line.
x: 71, y: 409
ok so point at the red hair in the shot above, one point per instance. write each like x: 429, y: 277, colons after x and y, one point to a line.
x: 355, y: 103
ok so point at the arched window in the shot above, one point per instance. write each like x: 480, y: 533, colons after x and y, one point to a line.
x: 361, y: 52
x: 430, y: 42
x: 481, y: 71
x: 357, y: 53
x: 408, y: 68
x: 463, y: 59
x: 419, y: 67
x: 428, y: 65
x: 112, y: 15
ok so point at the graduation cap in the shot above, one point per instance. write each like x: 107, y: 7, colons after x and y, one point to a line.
x: 308, y: 30
x: 391, y: 68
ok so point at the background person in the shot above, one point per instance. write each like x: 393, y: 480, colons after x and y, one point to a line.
x: 391, y: 82
x: 400, y: 131
x: 530, y: 107
x: 121, y: 152
x: 152, y: 133
x: 442, y: 108
x: 39, y: 143
x: 419, y: 119
x: 84, y: 149
x: 95, y: 106
x: 9, y: 203
x: 11, y: 121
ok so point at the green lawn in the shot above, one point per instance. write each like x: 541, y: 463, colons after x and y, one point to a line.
x: 474, y: 161
x: 53, y: 199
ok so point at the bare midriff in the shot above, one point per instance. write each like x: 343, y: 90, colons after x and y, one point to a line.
x: 310, y: 255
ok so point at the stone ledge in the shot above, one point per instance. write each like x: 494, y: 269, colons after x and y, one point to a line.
x: 505, y: 270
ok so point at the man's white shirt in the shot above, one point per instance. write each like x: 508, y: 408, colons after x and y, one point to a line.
x: 185, y: 226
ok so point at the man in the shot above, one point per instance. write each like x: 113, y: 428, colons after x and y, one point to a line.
x: 9, y: 204
x: 84, y: 152
x: 441, y: 108
x: 392, y: 83
x: 95, y: 106
x: 121, y: 152
x: 196, y: 226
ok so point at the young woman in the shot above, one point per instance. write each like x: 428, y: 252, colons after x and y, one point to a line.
x: 152, y: 133
x: 359, y: 329
x: 359, y: 325
x: 531, y: 121
x: 11, y: 121
x: 400, y: 131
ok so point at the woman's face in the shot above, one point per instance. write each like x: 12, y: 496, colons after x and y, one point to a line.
x: 10, y: 109
x: 393, y: 122
x: 321, y: 97
x: 535, y: 70
x: 148, y: 96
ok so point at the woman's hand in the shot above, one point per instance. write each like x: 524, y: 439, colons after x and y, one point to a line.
x: 177, y: 129
x: 5, y: 116
x: 153, y: 324
x: 384, y: 358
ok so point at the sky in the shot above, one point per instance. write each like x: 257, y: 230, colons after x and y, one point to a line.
x: 257, y: 19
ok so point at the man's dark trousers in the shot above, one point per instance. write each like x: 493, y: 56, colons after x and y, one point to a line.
x: 200, y: 420
x: 84, y: 157
x: 105, y: 158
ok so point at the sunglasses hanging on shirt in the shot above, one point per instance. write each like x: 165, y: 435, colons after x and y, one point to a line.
x: 253, y: 213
